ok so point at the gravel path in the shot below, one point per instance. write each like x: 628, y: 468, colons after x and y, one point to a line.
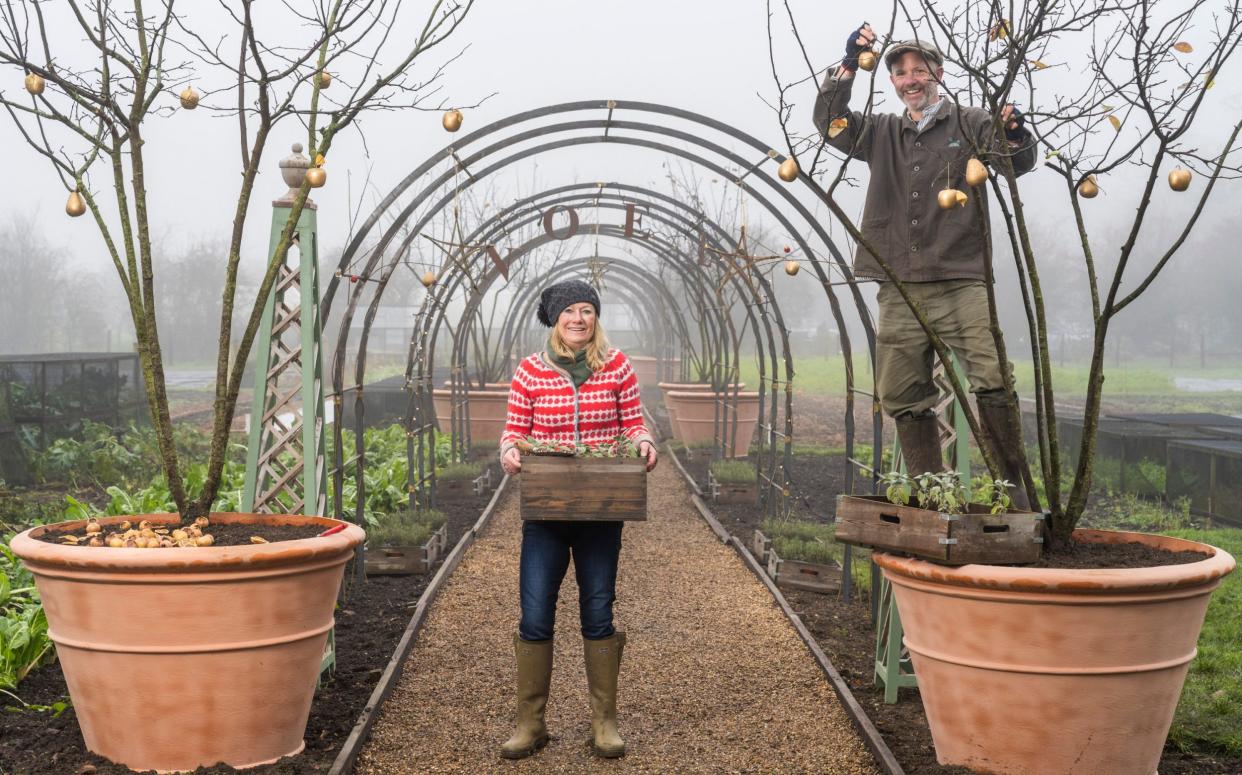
x: 714, y: 679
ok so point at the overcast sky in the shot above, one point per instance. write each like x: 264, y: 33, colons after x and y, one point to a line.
x: 705, y: 56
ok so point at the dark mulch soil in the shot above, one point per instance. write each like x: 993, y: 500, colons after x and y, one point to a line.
x: 1088, y: 555
x: 223, y: 534
x: 368, y: 626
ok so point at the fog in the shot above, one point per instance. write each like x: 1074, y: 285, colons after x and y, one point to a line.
x: 59, y: 292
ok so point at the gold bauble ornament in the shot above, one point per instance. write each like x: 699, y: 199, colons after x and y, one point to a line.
x: 452, y: 120
x: 429, y: 279
x: 867, y: 60
x: 325, y: 79
x: 1179, y: 179
x: 76, y: 205
x: 792, y: 267
x: 189, y: 98
x: 949, y: 198
x: 788, y: 171
x: 1088, y: 188
x: 976, y: 173
x: 35, y: 84
x: 316, y: 177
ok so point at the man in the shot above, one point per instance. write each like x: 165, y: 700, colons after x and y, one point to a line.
x: 937, y: 254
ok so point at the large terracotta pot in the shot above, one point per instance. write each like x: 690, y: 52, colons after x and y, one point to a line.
x: 646, y: 368
x: 488, y: 411
x: 696, y: 417
x: 670, y: 404
x: 180, y: 658
x: 1035, y: 670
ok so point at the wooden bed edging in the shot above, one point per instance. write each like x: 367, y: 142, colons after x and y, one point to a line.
x: 862, y: 723
x: 348, y: 756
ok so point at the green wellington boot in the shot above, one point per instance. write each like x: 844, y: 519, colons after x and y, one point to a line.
x: 534, y: 676
x: 920, y: 443
x: 603, y: 664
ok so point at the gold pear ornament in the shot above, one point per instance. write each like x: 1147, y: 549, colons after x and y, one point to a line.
x: 429, y: 279
x: 325, y: 79
x: 788, y: 171
x: 1088, y: 188
x: 189, y: 98
x: 976, y: 173
x: 316, y: 177
x: 867, y: 60
x: 1179, y: 179
x: 35, y: 84
x: 948, y: 198
x: 452, y: 120
x: 792, y: 267
x: 76, y: 205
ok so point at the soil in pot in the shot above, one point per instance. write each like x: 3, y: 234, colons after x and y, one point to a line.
x: 222, y: 534
x: 1083, y: 555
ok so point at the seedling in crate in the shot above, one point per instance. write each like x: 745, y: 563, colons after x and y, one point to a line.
x: 620, y: 447
x: 945, y: 492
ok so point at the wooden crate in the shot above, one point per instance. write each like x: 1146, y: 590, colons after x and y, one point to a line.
x: 760, y: 545
x: 954, y: 539
x: 583, y: 489
x: 403, y: 560
x: 809, y: 576
x: 726, y: 492
x: 450, y: 490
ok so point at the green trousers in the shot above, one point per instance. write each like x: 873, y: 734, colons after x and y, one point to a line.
x: 957, y: 311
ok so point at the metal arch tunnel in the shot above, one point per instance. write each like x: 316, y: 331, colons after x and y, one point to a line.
x: 607, y: 126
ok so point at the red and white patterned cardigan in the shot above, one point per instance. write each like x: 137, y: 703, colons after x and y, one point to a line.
x: 544, y: 403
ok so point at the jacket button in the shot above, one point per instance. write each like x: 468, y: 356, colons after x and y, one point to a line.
x: 914, y: 222
x: 916, y: 168
x: 918, y: 145
x: 915, y: 195
x: 914, y: 248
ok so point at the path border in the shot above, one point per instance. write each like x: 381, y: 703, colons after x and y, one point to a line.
x: 348, y: 755
x: 862, y: 723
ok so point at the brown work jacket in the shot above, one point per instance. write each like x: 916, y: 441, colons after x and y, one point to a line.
x: 918, y: 240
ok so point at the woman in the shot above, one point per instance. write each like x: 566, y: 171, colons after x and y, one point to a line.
x: 579, y: 390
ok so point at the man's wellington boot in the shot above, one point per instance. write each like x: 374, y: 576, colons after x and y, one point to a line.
x: 1004, y: 437
x: 534, y: 676
x: 603, y: 664
x: 920, y: 443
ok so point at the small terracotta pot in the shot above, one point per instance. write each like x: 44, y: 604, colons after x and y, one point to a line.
x: 1040, y: 670
x: 488, y: 411
x: 696, y: 416
x: 180, y: 658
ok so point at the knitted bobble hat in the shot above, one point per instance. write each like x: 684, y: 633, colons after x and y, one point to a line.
x: 559, y: 296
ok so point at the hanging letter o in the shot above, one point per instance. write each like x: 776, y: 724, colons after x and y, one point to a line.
x: 569, y: 230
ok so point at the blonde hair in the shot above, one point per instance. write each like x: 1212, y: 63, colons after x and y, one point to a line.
x: 597, y: 348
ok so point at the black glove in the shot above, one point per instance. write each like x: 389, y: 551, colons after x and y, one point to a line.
x: 852, y: 49
x: 1018, y: 133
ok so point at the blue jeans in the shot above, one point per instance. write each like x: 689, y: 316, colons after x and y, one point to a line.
x: 546, y: 548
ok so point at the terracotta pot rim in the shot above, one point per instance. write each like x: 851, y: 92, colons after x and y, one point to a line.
x: 473, y: 392
x: 1217, y: 564
x: 710, y: 395
x: 208, y: 559
x: 690, y: 386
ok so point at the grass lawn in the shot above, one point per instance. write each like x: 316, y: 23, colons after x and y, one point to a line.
x: 1210, y: 713
x: 1148, y: 379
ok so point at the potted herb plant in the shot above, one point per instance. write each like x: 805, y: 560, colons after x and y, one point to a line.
x: 179, y: 654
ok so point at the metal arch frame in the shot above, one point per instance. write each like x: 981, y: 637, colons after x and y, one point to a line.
x: 607, y: 125
x: 847, y: 350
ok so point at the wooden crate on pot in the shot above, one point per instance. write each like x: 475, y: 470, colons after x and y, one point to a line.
x: 554, y: 487
x: 404, y: 560
x: 977, y: 536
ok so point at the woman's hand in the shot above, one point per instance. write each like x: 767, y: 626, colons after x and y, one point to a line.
x: 511, y: 461
x: 649, y: 452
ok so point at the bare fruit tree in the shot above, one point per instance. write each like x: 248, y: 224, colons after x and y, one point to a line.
x: 1138, y: 87
x: 98, y: 74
